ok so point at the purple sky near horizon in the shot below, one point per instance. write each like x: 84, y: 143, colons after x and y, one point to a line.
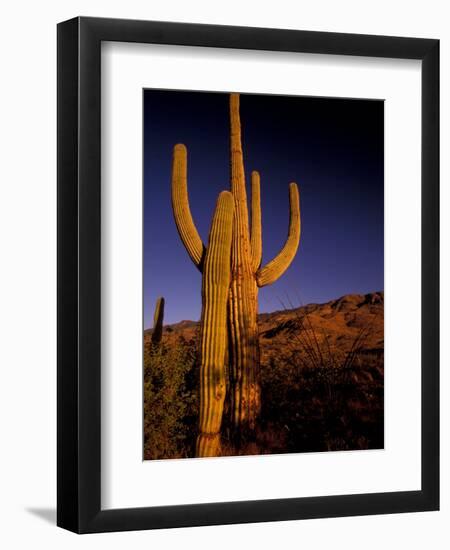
x: 333, y: 149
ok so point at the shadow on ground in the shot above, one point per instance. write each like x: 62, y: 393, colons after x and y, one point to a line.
x: 46, y: 514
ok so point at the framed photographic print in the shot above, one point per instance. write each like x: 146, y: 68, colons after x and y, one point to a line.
x: 248, y: 256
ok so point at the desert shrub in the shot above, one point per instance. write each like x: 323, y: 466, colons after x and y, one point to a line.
x: 319, y: 398
x: 324, y: 407
x: 170, y: 400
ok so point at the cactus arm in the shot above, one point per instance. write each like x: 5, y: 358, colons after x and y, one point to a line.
x: 181, y: 210
x: 158, y: 321
x: 276, y: 267
x: 256, y: 238
x: 215, y: 289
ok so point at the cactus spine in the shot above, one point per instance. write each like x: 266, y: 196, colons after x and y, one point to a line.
x: 158, y: 319
x: 245, y: 277
x: 215, y: 285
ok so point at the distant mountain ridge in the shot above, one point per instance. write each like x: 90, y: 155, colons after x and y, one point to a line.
x: 335, y: 325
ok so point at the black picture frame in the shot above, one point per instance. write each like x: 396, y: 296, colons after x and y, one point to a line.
x: 79, y: 280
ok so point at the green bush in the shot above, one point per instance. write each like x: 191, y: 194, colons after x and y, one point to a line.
x: 170, y: 401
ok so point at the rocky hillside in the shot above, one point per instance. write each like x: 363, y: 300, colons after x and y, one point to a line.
x: 333, y: 329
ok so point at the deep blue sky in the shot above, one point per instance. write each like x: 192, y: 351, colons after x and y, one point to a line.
x: 333, y: 149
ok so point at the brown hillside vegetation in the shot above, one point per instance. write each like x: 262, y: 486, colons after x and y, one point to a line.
x: 335, y: 324
x: 322, y: 373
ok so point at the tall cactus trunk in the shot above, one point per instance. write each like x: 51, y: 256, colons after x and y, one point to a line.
x: 245, y: 398
x: 243, y: 300
x: 215, y: 285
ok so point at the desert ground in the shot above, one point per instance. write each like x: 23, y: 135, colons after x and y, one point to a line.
x: 322, y: 381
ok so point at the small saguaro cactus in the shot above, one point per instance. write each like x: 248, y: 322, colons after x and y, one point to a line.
x: 158, y: 319
x: 246, y: 274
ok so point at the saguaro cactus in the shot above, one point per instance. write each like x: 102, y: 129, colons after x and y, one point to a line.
x: 215, y: 286
x: 158, y: 319
x: 243, y: 300
x: 246, y: 274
